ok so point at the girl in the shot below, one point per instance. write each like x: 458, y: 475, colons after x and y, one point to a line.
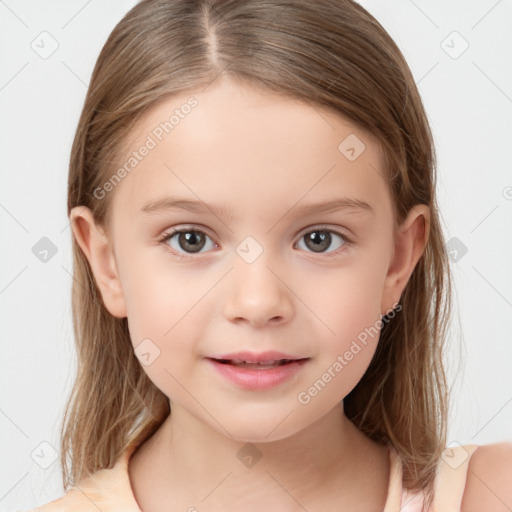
x: 261, y: 287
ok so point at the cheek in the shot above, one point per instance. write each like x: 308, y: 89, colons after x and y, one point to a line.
x: 346, y: 299
x: 158, y: 291
x: 346, y: 306
x: 166, y: 306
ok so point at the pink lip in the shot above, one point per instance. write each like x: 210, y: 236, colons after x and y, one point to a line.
x: 256, y: 357
x: 258, y: 379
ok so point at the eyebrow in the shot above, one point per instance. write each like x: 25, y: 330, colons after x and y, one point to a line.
x: 172, y: 203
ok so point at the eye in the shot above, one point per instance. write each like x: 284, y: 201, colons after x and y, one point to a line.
x: 191, y: 241
x: 321, y: 238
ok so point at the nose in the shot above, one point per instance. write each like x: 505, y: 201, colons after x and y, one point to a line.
x: 258, y: 294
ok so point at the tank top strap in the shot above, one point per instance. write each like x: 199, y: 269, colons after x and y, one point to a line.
x: 450, y: 479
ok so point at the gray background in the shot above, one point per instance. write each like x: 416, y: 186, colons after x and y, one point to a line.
x: 468, y: 97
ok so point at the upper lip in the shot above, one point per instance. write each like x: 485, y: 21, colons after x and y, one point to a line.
x: 256, y: 357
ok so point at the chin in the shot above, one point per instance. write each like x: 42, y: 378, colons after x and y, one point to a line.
x: 259, y: 427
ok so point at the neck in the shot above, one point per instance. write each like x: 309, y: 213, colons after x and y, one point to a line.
x: 189, y: 464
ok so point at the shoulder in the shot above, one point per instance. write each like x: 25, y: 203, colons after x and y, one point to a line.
x: 69, y: 502
x: 58, y: 505
x: 489, y: 478
x: 106, y: 490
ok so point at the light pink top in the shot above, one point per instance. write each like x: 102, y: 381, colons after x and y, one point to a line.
x: 109, y: 490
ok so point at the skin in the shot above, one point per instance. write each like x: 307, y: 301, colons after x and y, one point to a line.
x: 264, y: 156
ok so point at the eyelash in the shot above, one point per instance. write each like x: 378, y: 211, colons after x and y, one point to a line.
x: 167, y: 236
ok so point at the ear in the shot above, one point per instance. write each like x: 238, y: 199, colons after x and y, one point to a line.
x: 97, y: 248
x: 410, y: 242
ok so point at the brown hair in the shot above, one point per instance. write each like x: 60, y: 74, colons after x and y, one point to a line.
x: 330, y: 53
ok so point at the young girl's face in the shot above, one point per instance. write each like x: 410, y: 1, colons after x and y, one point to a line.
x: 262, y: 263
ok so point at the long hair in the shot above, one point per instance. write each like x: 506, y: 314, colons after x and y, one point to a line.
x: 330, y: 53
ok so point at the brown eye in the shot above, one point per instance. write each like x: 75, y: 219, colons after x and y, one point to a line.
x: 319, y: 240
x: 191, y: 240
x: 188, y: 241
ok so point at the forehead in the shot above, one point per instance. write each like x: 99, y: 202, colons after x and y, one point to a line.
x: 250, y: 148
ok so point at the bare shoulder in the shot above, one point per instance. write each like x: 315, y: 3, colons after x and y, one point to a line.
x: 489, y: 479
x: 71, y: 501
x: 57, y: 505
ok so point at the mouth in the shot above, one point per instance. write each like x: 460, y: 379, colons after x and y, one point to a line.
x: 257, y: 372
x: 264, y: 360
x: 258, y: 365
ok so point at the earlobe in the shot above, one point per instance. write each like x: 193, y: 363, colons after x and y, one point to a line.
x: 97, y: 249
x: 410, y: 242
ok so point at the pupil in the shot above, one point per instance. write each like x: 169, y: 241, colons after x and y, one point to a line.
x: 190, y: 237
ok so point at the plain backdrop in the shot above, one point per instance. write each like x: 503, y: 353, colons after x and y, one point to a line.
x: 460, y: 56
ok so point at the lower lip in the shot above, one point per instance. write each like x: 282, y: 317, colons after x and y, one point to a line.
x: 249, y: 378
